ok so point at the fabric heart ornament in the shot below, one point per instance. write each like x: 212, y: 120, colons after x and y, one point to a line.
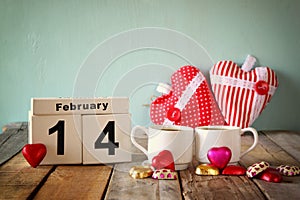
x: 219, y: 156
x: 34, y: 153
x: 189, y: 103
x: 164, y: 160
x: 242, y: 93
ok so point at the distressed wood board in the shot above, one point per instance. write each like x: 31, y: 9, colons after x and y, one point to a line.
x: 13, y: 125
x: 217, y: 187
x: 287, y: 140
x: 12, y: 141
x: 18, y: 180
x: 123, y: 186
x: 268, y: 151
x: 76, y: 182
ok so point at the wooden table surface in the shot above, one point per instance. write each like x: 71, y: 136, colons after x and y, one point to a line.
x: 20, y: 181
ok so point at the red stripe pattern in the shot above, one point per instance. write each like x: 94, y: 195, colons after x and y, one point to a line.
x: 242, y: 95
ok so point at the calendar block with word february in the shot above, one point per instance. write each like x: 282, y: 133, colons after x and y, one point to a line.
x: 83, y: 130
x: 65, y: 106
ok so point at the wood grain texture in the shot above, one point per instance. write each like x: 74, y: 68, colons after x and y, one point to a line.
x: 18, y: 180
x: 268, y: 151
x: 12, y: 141
x: 13, y: 125
x: 287, y: 140
x: 76, y: 182
x: 123, y: 186
x: 217, y: 187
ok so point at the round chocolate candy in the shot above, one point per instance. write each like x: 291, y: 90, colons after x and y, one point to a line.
x: 234, y: 170
x: 257, y: 168
x: 164, y: 174
x: 138, y: 172
x: 288, y: 170
x: 207, y: 169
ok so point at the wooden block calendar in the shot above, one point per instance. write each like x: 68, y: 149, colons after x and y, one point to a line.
x: 81, y: 130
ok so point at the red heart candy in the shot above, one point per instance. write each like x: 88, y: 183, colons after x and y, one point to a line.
x: 164, y: 160
x: 219, y: 156
x: 201, y: 108
x: 34, y: 153
x: 234, y: 170
x: 270, y: 175
x: 242, y: 95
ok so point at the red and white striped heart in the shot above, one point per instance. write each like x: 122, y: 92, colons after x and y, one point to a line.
x: 242, y: 94
x: 189, y: 103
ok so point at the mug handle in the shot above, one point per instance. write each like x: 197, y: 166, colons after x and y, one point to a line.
x: 255, y: 136
x: 133, y: 132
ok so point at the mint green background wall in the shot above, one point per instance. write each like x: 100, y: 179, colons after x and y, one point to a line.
x: 43, y: 44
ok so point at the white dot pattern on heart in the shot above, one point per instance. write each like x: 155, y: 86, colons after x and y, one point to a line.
x: 201, y: 109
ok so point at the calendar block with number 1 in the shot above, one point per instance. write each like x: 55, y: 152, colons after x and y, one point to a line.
x: 83, y: 130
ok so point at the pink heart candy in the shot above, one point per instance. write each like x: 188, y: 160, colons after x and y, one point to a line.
x: 219, y: 156
x: 164, y: 160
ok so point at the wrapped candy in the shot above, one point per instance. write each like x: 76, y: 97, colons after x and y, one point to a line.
x: 288, y: 170
x: 219, y: 156
x: 207, y: 169
x: 164, y: 160
x: 139, y: 172
x: 164, y: 174
x: 257, y: 168
x: 270, y: 175
x: 234, y: 170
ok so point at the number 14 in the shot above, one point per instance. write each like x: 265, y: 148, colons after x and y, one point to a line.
x: 99, y: 144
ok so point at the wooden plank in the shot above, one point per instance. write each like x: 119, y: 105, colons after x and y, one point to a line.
x: 7, y: 134
x: 18, y: 180
x: 8, y: 130
x: 287, y: 140
x: 268, y: 151
x: 217, y: 187
x: 13, y: 125
x: 122, y: 186
x: 12, y: 141
x: 76, y: 182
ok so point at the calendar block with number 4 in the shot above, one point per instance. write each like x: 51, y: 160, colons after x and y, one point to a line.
x: 88, y: 131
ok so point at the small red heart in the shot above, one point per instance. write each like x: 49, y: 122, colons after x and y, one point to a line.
x: 34, y: 153
x: 164, y: 160
x: 219, y: 156
x: 271, y: 175
x: 234, y: 170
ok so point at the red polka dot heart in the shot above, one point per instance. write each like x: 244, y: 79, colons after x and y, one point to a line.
x: 189, y: 103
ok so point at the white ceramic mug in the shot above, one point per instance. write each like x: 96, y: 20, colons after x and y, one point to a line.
x: 177, y: 139
x: 218, y: 136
